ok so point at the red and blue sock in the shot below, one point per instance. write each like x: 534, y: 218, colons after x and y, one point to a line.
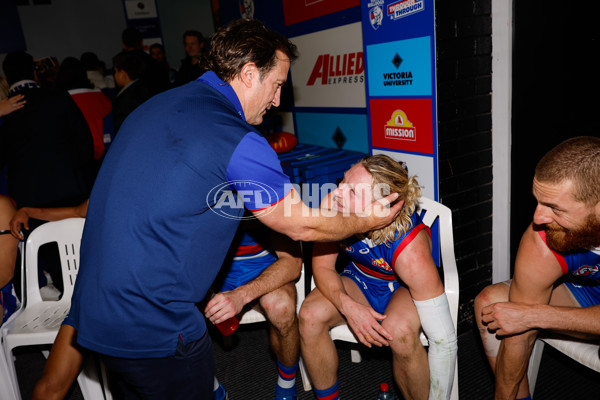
x: 332, y: 393
x: 286, y: 383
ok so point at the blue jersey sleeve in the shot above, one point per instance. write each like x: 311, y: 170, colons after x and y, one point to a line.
x: 254, y: 171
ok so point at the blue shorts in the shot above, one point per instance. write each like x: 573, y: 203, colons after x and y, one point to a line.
x: 8, y: 301
x: 243, y: 270
x: 586, y: 295
x: 377, y: 291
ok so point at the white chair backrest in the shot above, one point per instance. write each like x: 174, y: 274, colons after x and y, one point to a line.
x: 67, y: 235
x: 432, y: 211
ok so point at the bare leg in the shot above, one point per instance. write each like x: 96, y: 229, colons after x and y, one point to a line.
x: 62, y: 367
x: 491, y: 344
x: 317, y: 316
x: 280, y: 309
x: 411, y: 367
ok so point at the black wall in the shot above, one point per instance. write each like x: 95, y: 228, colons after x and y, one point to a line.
x: 464, y: 47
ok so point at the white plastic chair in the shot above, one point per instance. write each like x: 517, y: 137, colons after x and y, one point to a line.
x: 585, y: 353
x: 430, y: 211
x: 8, y: 391
x: 38, y: 321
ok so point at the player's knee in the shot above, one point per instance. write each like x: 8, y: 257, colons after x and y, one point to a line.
x: 405, y: 333
x: 490, y: 295
x: 281, y: 307
x: 311, y: 319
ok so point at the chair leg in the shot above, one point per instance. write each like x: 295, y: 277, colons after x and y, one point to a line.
x: 104, y: 373
x: 355, y: 356
x: 534, y: 364
x: 304, y: 376
x: 12, y: 372
x: 6, y: 380
x: 89, y: 381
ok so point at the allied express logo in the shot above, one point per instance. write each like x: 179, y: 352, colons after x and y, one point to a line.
x: 400, y: 128
x: 404, y: 8
x: 332, y: 69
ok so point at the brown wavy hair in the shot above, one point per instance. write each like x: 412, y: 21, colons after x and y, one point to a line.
x: 390, y: 176
x: 243, y: 41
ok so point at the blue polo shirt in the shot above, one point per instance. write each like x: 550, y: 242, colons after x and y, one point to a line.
x: 162, y: 215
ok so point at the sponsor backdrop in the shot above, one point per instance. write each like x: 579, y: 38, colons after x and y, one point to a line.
x: 328, y: 79
x: 143, y: 15
x: 399, y: 49
x: 365, y: 78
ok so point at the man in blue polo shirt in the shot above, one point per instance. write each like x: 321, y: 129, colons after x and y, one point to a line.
x: 161, y: 215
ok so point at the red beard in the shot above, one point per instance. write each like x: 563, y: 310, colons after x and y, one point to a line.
x: 565, y: 240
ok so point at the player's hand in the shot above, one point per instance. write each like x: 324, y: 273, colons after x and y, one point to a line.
x: 381, y: 213
x: 364, y: 322
x: 507, y: 318
x: 18, y: 222
x: 11, y: 104
x: 223, y: 306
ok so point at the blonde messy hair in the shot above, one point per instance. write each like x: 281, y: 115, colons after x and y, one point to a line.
x: 389, y: 176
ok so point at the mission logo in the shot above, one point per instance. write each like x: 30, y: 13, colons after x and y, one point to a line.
x: 400, y: 128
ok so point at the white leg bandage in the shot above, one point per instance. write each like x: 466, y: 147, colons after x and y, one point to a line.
x: 439, y: 329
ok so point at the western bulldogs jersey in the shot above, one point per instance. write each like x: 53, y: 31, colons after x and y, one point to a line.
x: 584, y: 264
x: 584, y: 270
x: 378, y: 260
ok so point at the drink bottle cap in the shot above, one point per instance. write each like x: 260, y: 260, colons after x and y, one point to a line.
x: 384, y: 387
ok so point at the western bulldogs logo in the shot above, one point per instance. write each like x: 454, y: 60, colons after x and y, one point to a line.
x: 586, y: 270
x: 376, y: 17
x: 381, y: 263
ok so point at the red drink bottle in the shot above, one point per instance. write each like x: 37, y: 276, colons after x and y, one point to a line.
x: 229, y: 326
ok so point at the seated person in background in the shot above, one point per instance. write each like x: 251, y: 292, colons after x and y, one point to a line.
x: 386, y: 294
x: 8, y: 258
x: 133, y: 91
x: 262, y: 272
x: 94, y: 72
x: 153, y: 73
x: 93, y: 103
x: 193, y: 65
x: 556, y: 268
x: 157, y: 51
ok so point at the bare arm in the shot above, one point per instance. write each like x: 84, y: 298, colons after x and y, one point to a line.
x: 509, y: 318
x: 536, y: 270
x: 293, y: 218
x: 21, y: 218
x: 286, y: 269
x: 415, y: 267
